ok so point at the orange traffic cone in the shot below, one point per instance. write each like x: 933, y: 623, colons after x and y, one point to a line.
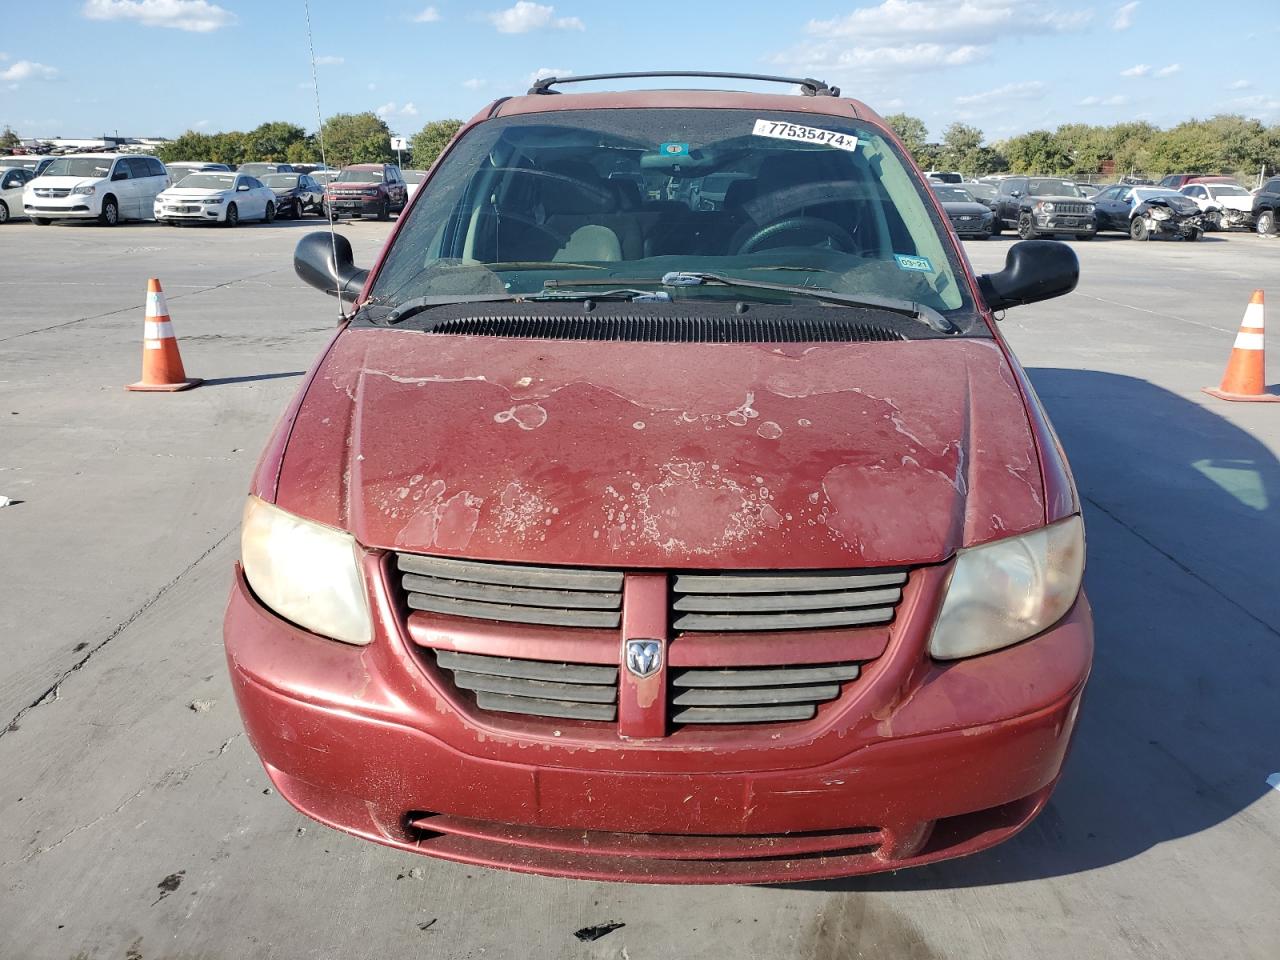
x: 161, y: 363
x: 1245, y: 378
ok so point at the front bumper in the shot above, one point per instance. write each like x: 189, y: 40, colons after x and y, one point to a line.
x: 354, y: 206
x: 194, y: 212
x: 1175, y: 229
x: 951, y: 760
x: 1075, y: 224
x: 75, y: 207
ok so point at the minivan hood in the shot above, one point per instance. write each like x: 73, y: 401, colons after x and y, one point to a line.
x: 664, y: 455
x: 47, y: 181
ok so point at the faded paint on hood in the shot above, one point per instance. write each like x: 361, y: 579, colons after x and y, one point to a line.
x: 663, y: 455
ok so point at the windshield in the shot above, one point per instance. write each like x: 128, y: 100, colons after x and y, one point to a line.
x: 953, y: 195
x: 96, y: 167
x: 208, y: 181
x: 1053, y: 188
x: 414, y: 176
x: 285, y: 180
x: 359, y: 176
x: 823, y: 202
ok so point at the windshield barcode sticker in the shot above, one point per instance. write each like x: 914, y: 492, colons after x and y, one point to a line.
x: 782, y: 130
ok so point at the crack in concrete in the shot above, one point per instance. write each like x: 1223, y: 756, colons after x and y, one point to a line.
x: 137, y: 306
x: 52, y: 693
x: 178, y: 774
x: 1270, y: 628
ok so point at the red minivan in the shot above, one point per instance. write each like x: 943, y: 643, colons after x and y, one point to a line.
x: 619, y: 536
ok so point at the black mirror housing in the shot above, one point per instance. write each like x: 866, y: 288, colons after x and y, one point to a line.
x: 1034, y: 270
x: 315, y: 263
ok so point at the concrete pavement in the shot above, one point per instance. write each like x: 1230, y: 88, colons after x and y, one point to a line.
x: 134, y: 826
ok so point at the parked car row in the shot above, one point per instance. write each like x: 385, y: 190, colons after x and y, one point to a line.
x: 1057, y: 207
x: 110, y: 188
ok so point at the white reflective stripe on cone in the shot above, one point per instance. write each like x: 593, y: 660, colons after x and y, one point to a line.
x: 1248, y: 341
x: 158, y: 330
x: 1252, y: 316
x: 154, y: 345
x: 156, y: 307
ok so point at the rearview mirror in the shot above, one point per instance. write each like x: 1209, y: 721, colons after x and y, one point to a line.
x: 1034, y: 270
x: 325, y: 262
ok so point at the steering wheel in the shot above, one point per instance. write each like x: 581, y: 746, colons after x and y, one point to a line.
x: 810, y: 226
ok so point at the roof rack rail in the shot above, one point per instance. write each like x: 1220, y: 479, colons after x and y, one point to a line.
x: 808, y: 86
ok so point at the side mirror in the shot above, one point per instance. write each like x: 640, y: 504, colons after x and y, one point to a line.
x: 315, y: 263
x: 1015, y: 194
x: 119, y: 175
x: 1034, y: 270
x: 243, y: 187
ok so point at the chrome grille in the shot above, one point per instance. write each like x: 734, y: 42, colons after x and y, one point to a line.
x: 52, y: 191
x: 810, y: 600
x: 557, y: 596
x: 534, y: 687
x: 755, y: 695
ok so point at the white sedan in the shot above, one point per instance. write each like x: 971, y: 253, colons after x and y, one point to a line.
x: 1226, y: 202
x: 225, y: 198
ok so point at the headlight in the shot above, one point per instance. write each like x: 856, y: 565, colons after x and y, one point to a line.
x: 1004, y: 592
x: 306, y: 572
x: 1159, y: 213
x: 86, y: 190
x: 212, y: 200
x: 1046, y: 206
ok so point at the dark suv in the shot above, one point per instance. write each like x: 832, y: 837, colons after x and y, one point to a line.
x: 366, y: 190
x: 1266, y: 207
x: 1044, y: 206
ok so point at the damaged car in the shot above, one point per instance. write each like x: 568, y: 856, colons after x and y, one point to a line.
x: 1146, y: 213
x: 1225, y: 204
x: 621, y: 538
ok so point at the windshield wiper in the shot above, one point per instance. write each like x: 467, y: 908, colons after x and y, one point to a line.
x: 693, y: 278
x: 408, y: 308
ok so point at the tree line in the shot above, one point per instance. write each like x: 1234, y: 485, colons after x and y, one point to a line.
x: 1223, y: 144
x: 347, y: 137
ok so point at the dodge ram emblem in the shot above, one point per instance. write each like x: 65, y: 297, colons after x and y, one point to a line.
x: 644, y: 657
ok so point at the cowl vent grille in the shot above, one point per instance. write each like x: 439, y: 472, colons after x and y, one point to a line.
x: 741, y: 329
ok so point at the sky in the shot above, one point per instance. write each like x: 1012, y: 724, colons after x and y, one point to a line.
x: 82, y: 68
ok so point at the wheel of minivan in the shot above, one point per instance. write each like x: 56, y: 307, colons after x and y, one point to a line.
x: 233, y: 217
x: 110, y: 214
x: 1266, y: 223
x: 1139, y: 229
x: 270, y: 214
x: 1026, y: 227
x: 4, y: 212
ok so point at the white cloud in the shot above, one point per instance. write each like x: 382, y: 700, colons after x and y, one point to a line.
x: 393, y: 109
x: 428, y: 15
x: 1170, y: 70
x: 28, y: 70
x: 329, y: 61
x: 1116, y: 100
x: 197, y: 16
x: 1124, y: 16
x: 475, y: 83
x: 543, y: 72
x: 1239, y: 85
x: 373, y: 86
x: 201, y: 124
x: 1027, y: 90
x: 527, y: 16
x: 1137, y: 70
x: 1259, y: 105
x: 920, y: 35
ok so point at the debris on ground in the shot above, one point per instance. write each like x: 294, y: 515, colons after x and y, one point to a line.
x: 429, y: 924
x: 6, y: 501
x: 589, y: 934
x: 416, y: 873
x: 201, y: 706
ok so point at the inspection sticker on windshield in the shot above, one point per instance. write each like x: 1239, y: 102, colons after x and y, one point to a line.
x: 781, y: 130
x: 914, y: 264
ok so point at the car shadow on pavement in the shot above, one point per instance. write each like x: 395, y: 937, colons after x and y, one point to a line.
x: 1180, y: 727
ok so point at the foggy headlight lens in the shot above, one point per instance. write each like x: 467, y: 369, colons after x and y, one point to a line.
x: 306, y: 572
x: 1001, y: 593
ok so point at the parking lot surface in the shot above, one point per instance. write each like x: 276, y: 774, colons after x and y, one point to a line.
x: 137, y: 822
